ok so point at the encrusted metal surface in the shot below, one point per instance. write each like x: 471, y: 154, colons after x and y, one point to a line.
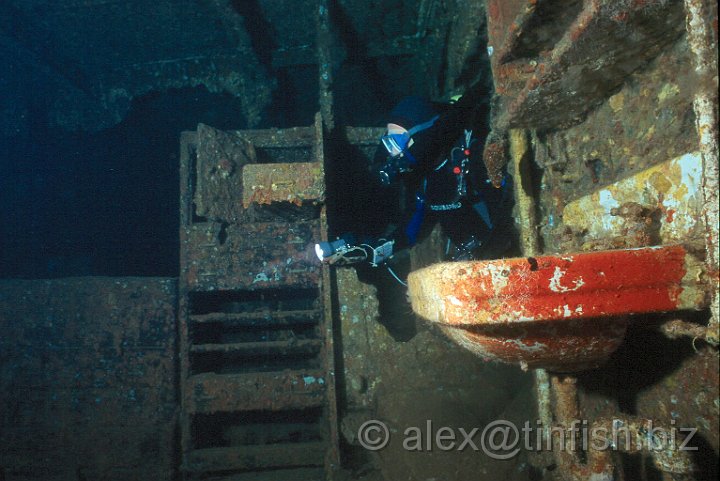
x: 600, y: 48
x: 87, y: 387
x: 638, y: 113
x: 677, y: 398
x: 546, y: 288
x: 325, y: 50
x: 425, y: 378
x: 210, y: 392
x: 258, y: 255
x: 670, y: 191
x: 648, y: 122
x: 702, y: 28
x: 294, y: 183
x: 218, y: 193
x: 256, y: 331
x: 230, y: 170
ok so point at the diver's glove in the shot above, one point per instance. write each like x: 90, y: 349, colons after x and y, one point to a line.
x: 344, y: 251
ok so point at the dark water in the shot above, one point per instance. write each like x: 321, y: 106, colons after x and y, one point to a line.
x: 106, y: 203
x: 102, y: 203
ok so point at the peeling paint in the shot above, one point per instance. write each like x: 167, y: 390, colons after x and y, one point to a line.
x: 555, y: 282
x: 671, y: 187
x: 537, y: 319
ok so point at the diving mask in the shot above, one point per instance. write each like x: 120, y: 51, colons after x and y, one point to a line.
x: 397, y: 140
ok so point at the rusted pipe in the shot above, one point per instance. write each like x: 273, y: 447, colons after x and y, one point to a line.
x: 626, y: 434
x: 677, y: 329
x: 530, y: 246
x: 566, y: 413
x: 526, y: 217
x: 633, y: 434
x: 544, y: 398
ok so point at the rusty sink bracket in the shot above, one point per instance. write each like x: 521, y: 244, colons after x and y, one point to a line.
x: 629, y: 434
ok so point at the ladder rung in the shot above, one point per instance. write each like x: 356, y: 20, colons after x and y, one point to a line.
x: 210, y: 392
x: 256, y: 457
x: 260, y: 317
x: 291, y: 474
x: 301, y: 346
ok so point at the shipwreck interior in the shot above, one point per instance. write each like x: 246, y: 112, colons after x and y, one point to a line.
x: 169, y: 166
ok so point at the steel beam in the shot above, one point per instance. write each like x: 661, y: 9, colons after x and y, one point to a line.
x: 553, y: 62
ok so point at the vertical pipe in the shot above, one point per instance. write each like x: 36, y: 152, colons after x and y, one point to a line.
x: 527, y: 225
x: 524, y: 200
x: 542, y: 390
x: 703, y: 45
x: 566, y: 415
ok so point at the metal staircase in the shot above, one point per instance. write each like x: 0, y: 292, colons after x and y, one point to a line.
x: 256, y: 344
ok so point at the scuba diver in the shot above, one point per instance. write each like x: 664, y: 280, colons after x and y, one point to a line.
x: 436, y: 149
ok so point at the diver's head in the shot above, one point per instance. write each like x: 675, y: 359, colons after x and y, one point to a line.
x: 410, y: 116
x: 411, y: 111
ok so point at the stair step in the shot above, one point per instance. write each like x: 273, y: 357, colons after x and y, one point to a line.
x: 255, y: 457
x: 292, y: 474
x: 301, y: 346
x: 260, y: 318
x: 252, y: 256
x: 296, y: 182
x: 210, y: 392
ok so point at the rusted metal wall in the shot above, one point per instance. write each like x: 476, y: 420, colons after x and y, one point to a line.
x: 87, y: 379
x: 619, y: 103
x: 557, y: 60
x: 647, y: 124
